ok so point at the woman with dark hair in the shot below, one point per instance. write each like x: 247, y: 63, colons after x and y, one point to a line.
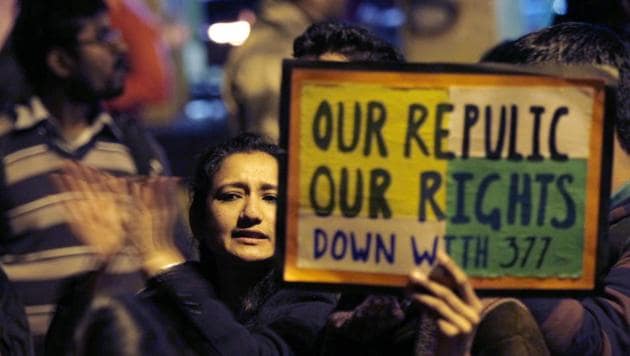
x: 229, y: 303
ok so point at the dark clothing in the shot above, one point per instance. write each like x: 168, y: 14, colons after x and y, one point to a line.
x: 286, y: 322
x: 88, y: 323
x: 598, y: 325
x: 15, y: 338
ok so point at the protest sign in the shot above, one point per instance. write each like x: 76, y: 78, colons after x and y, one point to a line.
x: 387, y: 165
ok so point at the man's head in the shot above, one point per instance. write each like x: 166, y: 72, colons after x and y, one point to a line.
x: 69, y: 45
x: 575, y: 43
x: 339, y: 41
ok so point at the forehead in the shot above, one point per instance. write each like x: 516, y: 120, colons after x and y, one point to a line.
x: 93, y: 24
x: 333, y: 57
x: 248, y: 167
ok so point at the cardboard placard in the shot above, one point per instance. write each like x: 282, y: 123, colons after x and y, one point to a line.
x: 387, y: 164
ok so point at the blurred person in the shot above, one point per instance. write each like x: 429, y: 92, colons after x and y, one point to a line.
x: 230, y: 302
x: 251, y: 87
x: 73, y: 59
x: 343, y: 42
x: 600, y: 324
x: 111, y: 325
x: 15, y: 337
x: 86, y: 322
x: 150, y: 75
x: 13, y: 85
x: 8, y: 13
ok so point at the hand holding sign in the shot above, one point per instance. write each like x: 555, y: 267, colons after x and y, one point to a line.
x: 449, y: 294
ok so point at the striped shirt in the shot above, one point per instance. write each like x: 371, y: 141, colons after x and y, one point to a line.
x: 38, y: 250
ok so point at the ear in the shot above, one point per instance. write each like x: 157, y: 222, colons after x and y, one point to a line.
x: 59, y: 62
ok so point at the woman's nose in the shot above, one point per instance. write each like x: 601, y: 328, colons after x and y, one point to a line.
x: 251, y: 211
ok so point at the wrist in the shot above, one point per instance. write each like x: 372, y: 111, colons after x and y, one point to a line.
x: 157, y: 262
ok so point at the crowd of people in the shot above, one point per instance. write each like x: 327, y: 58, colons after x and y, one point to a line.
x: 96, y: 259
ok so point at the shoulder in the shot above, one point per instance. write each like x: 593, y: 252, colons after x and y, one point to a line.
x: 185, y: 276
x: 297, y: 316
x: 295, y: 295
x: 147, y: 153
x: 299, y: 307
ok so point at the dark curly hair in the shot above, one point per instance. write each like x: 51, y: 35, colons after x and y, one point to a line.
x: 356, y: 43
x: 575, y: 43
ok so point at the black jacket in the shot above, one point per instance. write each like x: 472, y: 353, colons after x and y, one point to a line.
x: 286, y: 322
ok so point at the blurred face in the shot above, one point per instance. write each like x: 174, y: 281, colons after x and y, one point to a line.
x: 242, y: 206
x: 321, y: 10
x: 8, y: 13
x: 333, y: 57
x: 336, y: 8
x: 101, y: 63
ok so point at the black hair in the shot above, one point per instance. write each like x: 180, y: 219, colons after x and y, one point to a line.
x: 46, y: 24
x: 575, y: 43
x: 207, y: 166
x: 614, y: 13
x: 122, y: 325
x: 356, y: 43
x: 87, y: 322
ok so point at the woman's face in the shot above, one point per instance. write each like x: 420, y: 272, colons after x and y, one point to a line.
x: 242, y: 206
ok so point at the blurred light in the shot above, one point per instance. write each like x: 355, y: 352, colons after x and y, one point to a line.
x: 203, y: 109
x: 234, y: 33
x: 560, y: 7
x: 247, y: 15
x: 375, y: 16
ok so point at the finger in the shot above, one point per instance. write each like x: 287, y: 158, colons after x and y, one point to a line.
x: 148, y: 192
x: 134, y: 189
x: 168, y: 193
x: 80, y: 178
x: 447, y: 328
x: 448, y: 296
x: 59, y: 182
x: 464, y: 287
x: 96, y: 179
x: 444, y: 311
x: 71, y: 184
x: 76, y: 170
x: 114, y: 184
x: 137, y: 179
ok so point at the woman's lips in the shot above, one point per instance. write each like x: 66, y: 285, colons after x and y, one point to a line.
x: 250, y: 234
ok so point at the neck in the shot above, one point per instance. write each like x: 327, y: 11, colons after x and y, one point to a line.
x: 71, y: 116
x: 236, y: 278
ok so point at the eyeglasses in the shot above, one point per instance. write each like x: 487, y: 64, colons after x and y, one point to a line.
x: 107, y: 37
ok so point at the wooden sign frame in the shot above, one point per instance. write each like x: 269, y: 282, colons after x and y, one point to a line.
x: 296, y: 73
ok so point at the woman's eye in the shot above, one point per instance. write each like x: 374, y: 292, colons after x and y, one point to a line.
x: 271, y: 198
x: 228, y: 196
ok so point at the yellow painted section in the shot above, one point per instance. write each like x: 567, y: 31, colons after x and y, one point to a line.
x: 403, y: 193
